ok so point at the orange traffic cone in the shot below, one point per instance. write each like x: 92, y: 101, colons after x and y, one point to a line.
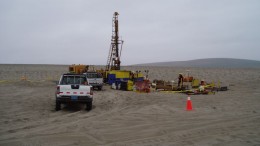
x: 189, y: 105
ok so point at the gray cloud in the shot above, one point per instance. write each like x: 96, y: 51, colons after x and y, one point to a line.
x: 67, y: 32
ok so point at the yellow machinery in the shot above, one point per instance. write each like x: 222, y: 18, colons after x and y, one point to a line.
x: 78, y: 69
x: 123, y: 75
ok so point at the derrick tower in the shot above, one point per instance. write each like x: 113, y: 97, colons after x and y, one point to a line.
x: 113, y: 61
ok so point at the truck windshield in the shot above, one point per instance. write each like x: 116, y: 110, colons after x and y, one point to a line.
x: 94, y: 75
x: 73, y: 80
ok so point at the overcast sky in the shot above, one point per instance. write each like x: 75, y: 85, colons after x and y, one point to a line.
x: 79, y: 31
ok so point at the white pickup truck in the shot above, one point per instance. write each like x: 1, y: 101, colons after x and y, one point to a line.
x: 74, y: 88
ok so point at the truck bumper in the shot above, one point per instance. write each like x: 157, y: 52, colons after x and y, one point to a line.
x: 96, y: 85
x: 80, y: 99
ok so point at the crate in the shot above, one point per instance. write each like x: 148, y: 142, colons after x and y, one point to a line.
x: 111, y: 78
x: 123, y: 85
x: 130, y: 85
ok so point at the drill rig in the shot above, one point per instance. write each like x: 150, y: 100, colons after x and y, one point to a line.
x: 113, y: 74
x: 113, y: 61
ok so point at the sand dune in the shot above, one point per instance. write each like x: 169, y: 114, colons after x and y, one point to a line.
x: 210, y: 63
x: 129, y: 118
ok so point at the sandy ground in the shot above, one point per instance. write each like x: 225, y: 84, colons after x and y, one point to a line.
x: 27, y: 115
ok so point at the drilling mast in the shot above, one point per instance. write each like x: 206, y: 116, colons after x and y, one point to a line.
x: 113, y: 61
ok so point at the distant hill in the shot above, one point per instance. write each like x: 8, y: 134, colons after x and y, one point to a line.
x: 209, y: 62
